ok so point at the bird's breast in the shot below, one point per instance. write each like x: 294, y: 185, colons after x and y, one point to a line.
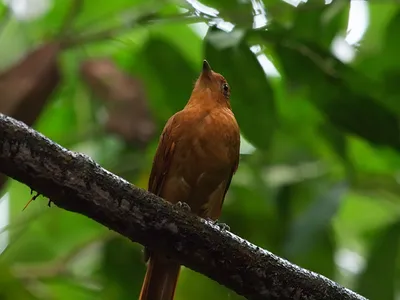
x: 208, y: 146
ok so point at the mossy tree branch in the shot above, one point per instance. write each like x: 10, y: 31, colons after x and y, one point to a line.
x: 76, y: 183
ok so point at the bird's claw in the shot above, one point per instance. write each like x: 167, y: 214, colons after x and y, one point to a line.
x: 222, y: 226
x: 182, y: 205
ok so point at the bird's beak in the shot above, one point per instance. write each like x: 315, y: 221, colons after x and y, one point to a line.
x: 206, y: 69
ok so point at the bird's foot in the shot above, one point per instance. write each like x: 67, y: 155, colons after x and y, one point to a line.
x: 222, y: 226
x: 182, y: 205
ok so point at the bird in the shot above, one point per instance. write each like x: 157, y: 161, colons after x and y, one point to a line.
x: 196, y: 158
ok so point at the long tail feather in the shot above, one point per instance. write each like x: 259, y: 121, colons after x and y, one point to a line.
x: 160, y: 280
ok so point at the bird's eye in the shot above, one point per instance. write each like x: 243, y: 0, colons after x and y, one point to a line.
x: 225, y: 89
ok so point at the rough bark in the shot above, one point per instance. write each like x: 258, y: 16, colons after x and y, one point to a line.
x: 76, y: 183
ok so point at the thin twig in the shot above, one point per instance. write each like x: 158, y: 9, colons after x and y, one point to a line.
x: 72, y: 13
x: 73, y: 41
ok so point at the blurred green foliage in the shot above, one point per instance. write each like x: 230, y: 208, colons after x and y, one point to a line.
x: 318, y: 177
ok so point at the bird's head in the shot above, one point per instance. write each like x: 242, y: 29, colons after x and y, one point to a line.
x: 212, y: 84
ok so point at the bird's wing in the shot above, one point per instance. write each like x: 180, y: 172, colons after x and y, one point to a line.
x: 162, y: 274
x: 162, y: 159
x: 161, y: 164
x: 235, y: 167
x: 217, y: 198
x: 235, y: 155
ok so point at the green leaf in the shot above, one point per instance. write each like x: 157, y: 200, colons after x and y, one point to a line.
x: 359, y: 215
x: 183, y: 37
x: 3, y: 10
x: 10, y: 287
x: 383, y: 63
x: 59, y: 114
x: 238, y: 12
x: 283, y: 203
x: 377, y: 281
x: 338, y: 142
x: 391, y: 44
x: 377, y: 58
x: 320, y: 257
x: 34, y: 230
x: 195, y: 286
x: 49, y: 23
x: 252, y: 96
x: 368, y: 159
x: 344, y: 105
x: 314, y: 221
x: 319, y: 22
x: 103, y: 10
x: 15, y: 44
x: 122, y: 269
x: 380, y: 15
x: 387, y: 64
x: 168, y: 77
x: 254, y: 219
x: 80, y: 16
x: 71, y: 288
x: 336, y: 139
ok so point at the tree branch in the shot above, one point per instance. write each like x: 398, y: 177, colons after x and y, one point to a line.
x: 76, y: 183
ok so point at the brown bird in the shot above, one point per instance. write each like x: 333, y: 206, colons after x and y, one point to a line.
x: 197, y: 155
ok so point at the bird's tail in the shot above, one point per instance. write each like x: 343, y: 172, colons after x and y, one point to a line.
x: 160, y: 280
